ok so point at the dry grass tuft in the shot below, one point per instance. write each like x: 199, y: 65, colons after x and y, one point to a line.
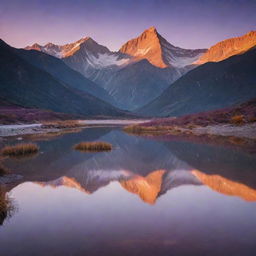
x: 20, y: 150
x: 93, y: 146
x: 3, y: 170
x: 138, y: 129
x: 51, y: 135
x: 237, y: 119
x: 152, y: 130
x: 237, y: 140
x: 7, y: 208
x: 62, y: 124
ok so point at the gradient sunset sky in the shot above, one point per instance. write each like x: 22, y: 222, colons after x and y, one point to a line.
x: 184, y: 23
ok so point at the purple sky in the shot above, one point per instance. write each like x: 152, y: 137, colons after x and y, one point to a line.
x: 184, y: 23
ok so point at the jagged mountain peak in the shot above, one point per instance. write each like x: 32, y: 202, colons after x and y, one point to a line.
x: 49, y: 45
x: 83, y: 40
x: 158, y: 51
x: 151, y: 29
x: 145, y: 46
x: 152, y: 32
x: 66, y: 50
x: 36, y: 45
x: 251, y: 33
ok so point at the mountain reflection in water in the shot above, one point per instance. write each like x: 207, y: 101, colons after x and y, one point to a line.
x: 155, y: 184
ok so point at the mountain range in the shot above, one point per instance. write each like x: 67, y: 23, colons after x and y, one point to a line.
x: 148, y: 76
x: 208, y: 87
x: 136, y: 74
x: 33, y: 79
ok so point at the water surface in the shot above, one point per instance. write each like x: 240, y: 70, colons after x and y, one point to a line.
x: 145, y: 197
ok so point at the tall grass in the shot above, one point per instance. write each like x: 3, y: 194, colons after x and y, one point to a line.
x: 137, y: 129
x: 93, y: 146
x: 19, y: 150
x: 62, y: 124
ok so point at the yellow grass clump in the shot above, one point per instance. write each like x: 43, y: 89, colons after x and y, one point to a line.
x: 62, y: 124
x: 137, y: 129
x: 238, y: 119
x: 20, y: 150
x: 93, y: 146
x: 153, y: 130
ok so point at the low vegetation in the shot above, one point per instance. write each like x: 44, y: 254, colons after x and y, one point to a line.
x: 93, y: 146
x: 7, y: 207
x: 50, y: 135
x: 236, y: 115
x: 13, y: 114
x: 20, y: 150
x: 3, y: 207
x: 62, y: 124
x: 137, y: 129
x: 3, y: 170
x: 237, y: 119
x: 154, y: 130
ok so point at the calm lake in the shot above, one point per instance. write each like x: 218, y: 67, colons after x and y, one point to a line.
x: 145, y: 197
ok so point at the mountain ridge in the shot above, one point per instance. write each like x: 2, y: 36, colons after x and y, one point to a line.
x: 25, y: 84
x: 134, y: 83
x: 228, y: 47
x: 158, y: 51
x: 210, y: 86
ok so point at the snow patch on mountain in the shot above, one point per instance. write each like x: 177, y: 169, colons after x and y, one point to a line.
x: 180, y: 62
x: 105, y: 60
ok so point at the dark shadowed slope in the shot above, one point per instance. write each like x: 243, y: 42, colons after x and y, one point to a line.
x: 139, y: 83
x: 208, y: 87
x: 138, y: 73
x: 58, y: 69
x: 29, y: 86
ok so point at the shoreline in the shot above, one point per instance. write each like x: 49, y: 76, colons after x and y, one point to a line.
x: 245, y: 131
x: 38, y: 128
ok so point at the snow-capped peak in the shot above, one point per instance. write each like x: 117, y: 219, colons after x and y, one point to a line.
x: 96, y: 55
x: 158, y: 51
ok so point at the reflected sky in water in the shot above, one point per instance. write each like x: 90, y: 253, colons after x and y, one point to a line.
x: 146, y: 197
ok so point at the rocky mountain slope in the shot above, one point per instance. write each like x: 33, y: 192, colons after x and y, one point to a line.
x: 158, y: 51
x: 58, y: 69
x: 208, y: 87
x: 145, y: 66
x: 138, y: 83
x: 125, y: 74
x: 27, y: 85
x: 85, y: 55
x: 228, y: 48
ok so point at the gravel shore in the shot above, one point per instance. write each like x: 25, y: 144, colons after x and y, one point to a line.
x: 241, y: 131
